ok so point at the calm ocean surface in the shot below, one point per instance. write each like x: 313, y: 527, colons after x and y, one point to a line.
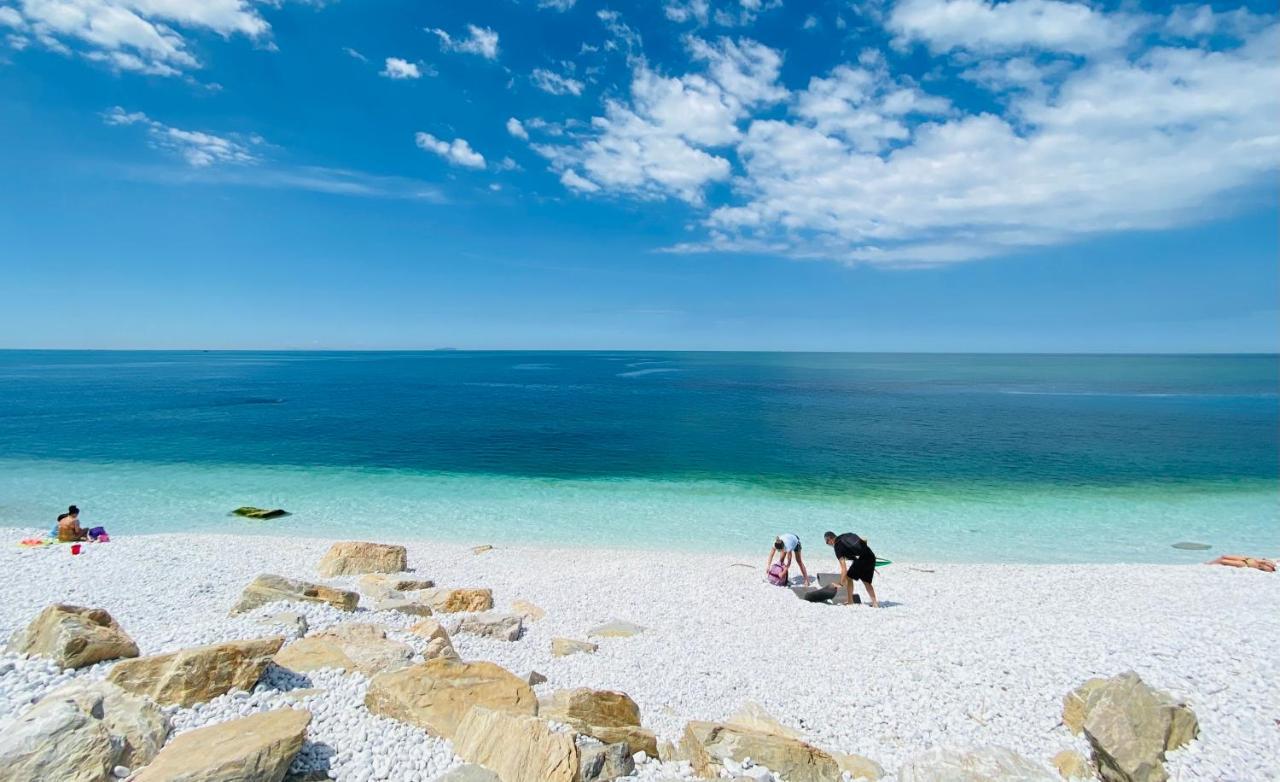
x: 1020, y: 458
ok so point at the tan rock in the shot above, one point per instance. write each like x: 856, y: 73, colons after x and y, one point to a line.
x: 403, y: 604
x: 859, y: 767
x: 482, y: 549
x: 350, y: 647
x: 1072, y: 765
x: 383, y: 585
x: 353, y: 558
x: 437, y: 694
x: 752, y: 716
x: 438, y: 642
x: 313, y: 654
x: 637, y: 738
x: 295, y: 624
x: 452, y: 601
x: 529, y: 611
x: 267, y: 588
x: 517, y: 747
x: 607, y: 708
x: 501, y: 627
x: 139, y: 725
x: 252, y: 749
x: 74, y: 637
x: 615, y: 629
x: 989, y: 764
x: 563, y: 647
x: 605, y: 763
x: 1131, y: 726
x: 196, y: 675
x: 710, y: 744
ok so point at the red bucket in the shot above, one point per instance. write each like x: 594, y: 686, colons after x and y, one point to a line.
x: 75, y: 548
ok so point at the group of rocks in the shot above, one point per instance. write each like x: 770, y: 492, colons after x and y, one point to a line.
x: 118, y: 728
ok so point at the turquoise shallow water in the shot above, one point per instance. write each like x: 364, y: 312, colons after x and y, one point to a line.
x: 959, y: 458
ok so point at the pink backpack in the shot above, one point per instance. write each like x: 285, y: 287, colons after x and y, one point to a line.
x: 778, y: 574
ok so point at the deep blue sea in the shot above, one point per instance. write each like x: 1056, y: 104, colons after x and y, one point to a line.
x: 1037, y: 458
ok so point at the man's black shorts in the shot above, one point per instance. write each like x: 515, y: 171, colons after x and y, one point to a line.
x: 863, y: 570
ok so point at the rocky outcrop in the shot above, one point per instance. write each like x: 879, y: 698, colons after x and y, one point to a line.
x: 267, y: 588
x: 74, y: 637
x: 501, y: 627
x: 452, y: 601
x: 606, y: 715
x: 80, y: 732
x: 352, y: 558
x: 437, y: 694
x: 438, y: 642
x: 990, y: 764
x: 350, y: 647
x: 517, y: 747
x: 384, y: 585
x: 529, y: 611
x: 196, y: 675
x: 709, y: 745
x: 252, y: 749
x: 605, y: 762
x: 563, y: 647
x: 1129, y: 725
x: 615, y: 629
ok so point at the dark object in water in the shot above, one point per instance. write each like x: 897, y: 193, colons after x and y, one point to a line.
x: 1193, y: 546
x: 250, y: 512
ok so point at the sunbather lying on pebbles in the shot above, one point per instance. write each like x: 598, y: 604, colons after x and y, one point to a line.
x: 1238, y: 560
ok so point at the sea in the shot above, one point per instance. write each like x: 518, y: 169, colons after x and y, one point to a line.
x: 931, y: 457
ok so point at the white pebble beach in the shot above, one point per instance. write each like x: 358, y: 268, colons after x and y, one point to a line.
x: 958, y: 655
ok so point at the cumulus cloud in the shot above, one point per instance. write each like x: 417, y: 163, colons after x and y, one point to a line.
x: 516, y: 128
x: 458, y: 152
x: 557, y: 5
x: 1013, y: 25
x: 479, y: 40
x: 397, y: 68
x: 554, y: 83
x: 197, y: 148
x: 143, y: 36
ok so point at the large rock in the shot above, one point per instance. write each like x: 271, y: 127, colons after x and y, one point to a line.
x: 79, y: 733
x: 411, y: 605
x: 529, y: 611
x: 563, y: 647
x: 1130, y: 726
x: 1072, y: 765
x: 605, y: 763
x: 752, y: 716
x: 470, y: 773
x: 199, y: 674
x: 501, y: 627
x: 517, y: 747
x: 990, y: 764
x: 859, y: 767
x: 608, y: 708
x: 350, y: 647
x: 452, y: 601
x: 438, y: 642
x: 384, y: 585
x: 437, y: 694
x: 267, y: 588
x: 252, y: 749
x: 74, y: 637
x: 353, y: 558
x: 615, y: 629
x: 709, y: 745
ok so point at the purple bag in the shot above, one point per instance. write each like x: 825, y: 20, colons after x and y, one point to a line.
x: 778, y: 574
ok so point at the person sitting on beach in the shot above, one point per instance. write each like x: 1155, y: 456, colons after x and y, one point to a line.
x: 1237, y: 560
x: 787, y: 547
x: 857, y: 563
x: 69, y: 530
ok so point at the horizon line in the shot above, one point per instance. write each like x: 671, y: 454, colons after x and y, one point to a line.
x: 1171, y: 353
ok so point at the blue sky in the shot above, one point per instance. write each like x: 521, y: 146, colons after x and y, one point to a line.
x: 743, y: 174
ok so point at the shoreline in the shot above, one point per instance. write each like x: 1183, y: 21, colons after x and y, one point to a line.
x: 960, y: 655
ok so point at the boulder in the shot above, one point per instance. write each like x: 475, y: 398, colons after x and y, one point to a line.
x: 73, y: 637
x: 1072, y: 765
x: 352, y: 558
x: 563, y: 647
x: 437, y: 694
x: 989, y: 764
x: 752, y: 716
x: 438, y: 642
x: 637, y: 738
x: 295, y: 624
x: 350, y: 647
x: 267, y: 588
x: 615, y: 629
x: 383, y: 585
x: 709, y: 745
x: 470, y: 773
x: 250, y: 512
x: 605, y: 763
x: 517, y: 747
x: 82, y: 731
x: 196, y: 675
x: 607, y: 708
x: 452, y: 601
x: 529, y: 611
x: 1130, y: 726
x: 501, y: 627
x: 534, y: 678
x: 258, y: 748
x: 402, y: 604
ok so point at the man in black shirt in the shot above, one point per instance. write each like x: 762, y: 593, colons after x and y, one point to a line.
x: 857, y: 563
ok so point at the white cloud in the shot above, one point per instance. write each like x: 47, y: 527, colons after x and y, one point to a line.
x: 515, y: 128
x: 143, y: 36
x: 197, y: 148
x: 458, y: 152
x: 557, y: 5
x: 1014, y: 25
x: 571, y: 180
x: 681, y: 11
x: 397, y: 68
x: 479, y: 40
x: 726, y: 13
x: 554, y: 83
x: 352, y: 53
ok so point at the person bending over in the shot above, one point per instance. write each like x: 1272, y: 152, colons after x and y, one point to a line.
x: 787, y: 547
x: 857, y: 563
x: 69, y: 530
